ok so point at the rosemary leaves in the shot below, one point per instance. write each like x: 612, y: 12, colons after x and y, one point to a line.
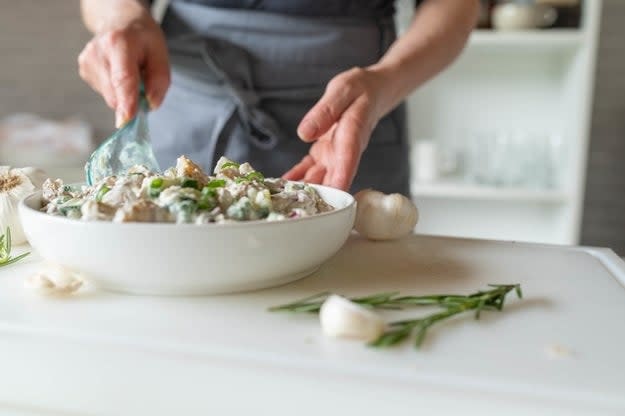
x: 5, y: 250
x: 399, y: 331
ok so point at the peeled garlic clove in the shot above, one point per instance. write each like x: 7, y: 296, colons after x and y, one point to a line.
x: 39, y: 282
x: 341, y: 317
x: 53, y: 278
x: 384, y: 217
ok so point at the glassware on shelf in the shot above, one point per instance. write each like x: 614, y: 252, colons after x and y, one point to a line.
x: 514, y: 159
x: 425, y: 157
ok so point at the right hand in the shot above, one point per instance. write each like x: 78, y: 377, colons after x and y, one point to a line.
x: 116, y: 60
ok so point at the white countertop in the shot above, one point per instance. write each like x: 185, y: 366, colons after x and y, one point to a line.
x: 102, y: 353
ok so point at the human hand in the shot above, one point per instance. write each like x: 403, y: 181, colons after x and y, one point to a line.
x: 116, y: 60
x: 340, y: 125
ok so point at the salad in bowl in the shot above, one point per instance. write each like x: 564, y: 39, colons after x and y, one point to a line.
x: 185, y: 232
x: 185, y: 194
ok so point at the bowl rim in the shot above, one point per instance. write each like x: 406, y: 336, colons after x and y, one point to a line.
x: 351, y: 205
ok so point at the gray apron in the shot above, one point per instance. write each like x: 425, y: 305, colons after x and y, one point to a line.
x: 242, y: 80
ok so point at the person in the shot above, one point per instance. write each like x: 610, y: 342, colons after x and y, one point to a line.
x: 245, y: 78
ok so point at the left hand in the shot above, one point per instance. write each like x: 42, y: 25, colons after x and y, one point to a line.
x: 340, y: 126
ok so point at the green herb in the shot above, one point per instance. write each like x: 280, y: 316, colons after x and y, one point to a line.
x: 5, y: 250
x: 252, y: 176
x: 156, y: 187
x: 240, y: 210
x: 399, y: 331
x: 255, y: 176
x: 184, y: 210
x: 67, y: 189
x: 190, y: 183
x: 216, y: 183
x: 101, y: 192
x: 208, y: 199
x: 70, y: 207
x: 156, y: 183
x: 229, y: 165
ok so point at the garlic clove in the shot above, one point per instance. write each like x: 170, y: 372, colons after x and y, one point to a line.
x: 54, y: 279
x: 39, y: 282
x: 37, y: 176
x: 16, y: 184
x: 384, y: 217
x: 340, y: 317
x: 9, y: 218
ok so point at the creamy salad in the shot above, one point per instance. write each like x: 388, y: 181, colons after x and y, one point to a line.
x: 185, y: 194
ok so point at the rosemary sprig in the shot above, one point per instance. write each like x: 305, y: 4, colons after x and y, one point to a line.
x: 399, y: 331
x: 5, y: 250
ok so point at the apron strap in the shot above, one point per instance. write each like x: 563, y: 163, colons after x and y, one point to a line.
x: 262, y: 129
x: 219, y: 68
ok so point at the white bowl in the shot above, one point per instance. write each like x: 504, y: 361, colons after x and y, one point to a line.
x: 185, y: 259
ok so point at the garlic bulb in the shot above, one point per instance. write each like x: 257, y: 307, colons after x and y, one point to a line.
x: 15, y: 184
x: 341, y: 317
x: 53, y: 278
x: 384, y: 217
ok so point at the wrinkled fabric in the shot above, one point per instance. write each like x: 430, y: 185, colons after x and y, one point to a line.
x: 317, y: 8
x: 243, y: 80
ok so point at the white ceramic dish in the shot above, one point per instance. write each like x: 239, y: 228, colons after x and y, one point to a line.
x: 171, y: 259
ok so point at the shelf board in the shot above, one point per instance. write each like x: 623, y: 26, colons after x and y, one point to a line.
x: 532, y: 40
x: 450, y: 189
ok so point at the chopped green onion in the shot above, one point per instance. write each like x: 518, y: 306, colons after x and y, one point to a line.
x: 255, y: 176
x: 67, y: 189
x: 156, y: 183
x: 103, y: 190
x: 156, y: 187
x: 66, y: 210
x: 190, y: 183
x: 184, y: 210
x: 229, y: 165
x: 209, y: 192
x: 252, y: 176
x: 216, y: 183
x: 208, y: 199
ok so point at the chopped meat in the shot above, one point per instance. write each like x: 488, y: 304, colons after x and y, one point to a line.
x: 186, y: 168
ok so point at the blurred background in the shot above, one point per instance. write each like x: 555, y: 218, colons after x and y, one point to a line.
x: 523, y: 138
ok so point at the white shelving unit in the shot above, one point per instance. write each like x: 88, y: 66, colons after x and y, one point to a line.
x: 538, y: 81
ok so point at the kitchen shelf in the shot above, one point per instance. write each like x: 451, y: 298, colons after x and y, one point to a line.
x: 535, y: 40
x: 534, y: 81
x: 454, y: 189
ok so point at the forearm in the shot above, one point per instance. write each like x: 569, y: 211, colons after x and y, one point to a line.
x: 435, y: 38
x: 100, y: 15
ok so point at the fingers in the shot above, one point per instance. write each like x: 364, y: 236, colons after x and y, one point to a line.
x: 156, y: 76
x: 114, y: 62
x: 125, y: 79
x: 315, y: 174
x: 94, y: 70
x: 339, y: 94
x: 349, y: 143
x: 307, y: 171
x: 298, y: 171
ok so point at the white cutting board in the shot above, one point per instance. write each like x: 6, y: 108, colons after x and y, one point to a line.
x: 104, y: 353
